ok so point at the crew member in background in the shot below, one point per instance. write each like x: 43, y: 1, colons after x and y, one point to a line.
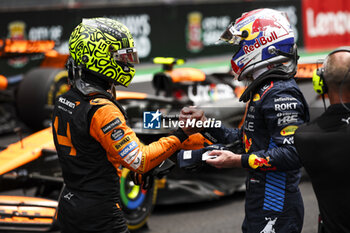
x: 90, y: 132
x: 324, y: 144
x: 264, y: 53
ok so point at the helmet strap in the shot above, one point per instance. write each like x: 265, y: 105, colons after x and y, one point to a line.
x: 70, y: 66
x: 272, y: 50
x: 113, y: 91
x: 74, y: 71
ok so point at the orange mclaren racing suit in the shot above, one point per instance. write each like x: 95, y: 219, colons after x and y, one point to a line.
x: 92, y: 140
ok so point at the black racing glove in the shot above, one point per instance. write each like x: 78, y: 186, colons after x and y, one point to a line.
x: 146, y: 180
x: 143, y: 180
x: 163, y: 169
x: 193, y: 160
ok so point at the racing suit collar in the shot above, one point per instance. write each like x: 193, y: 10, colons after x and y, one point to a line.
x: 274, y: 73
x: 89, y: 92
x: 88, y: 89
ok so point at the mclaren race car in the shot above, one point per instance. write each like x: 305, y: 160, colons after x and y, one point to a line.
x: 38, y: 60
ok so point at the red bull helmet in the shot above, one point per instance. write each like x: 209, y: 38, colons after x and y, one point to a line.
x: 261, y: 39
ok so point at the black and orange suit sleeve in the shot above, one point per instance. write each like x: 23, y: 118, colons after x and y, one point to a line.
x: 109, y: 128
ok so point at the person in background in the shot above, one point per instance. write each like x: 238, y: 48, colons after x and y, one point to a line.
x: 90, y: 132
x: 265, y: 55
x: 324, y: 144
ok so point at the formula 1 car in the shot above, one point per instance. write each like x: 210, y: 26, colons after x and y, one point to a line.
x: 18, y: 60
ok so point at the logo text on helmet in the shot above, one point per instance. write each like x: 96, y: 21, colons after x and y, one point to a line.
x: 259, y: 42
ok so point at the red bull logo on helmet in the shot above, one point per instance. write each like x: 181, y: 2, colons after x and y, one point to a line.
x: 263, y: 24
x: 260, y: 42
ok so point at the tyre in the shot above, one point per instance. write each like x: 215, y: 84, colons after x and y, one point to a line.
x: 137, y: 203
x: 37, y: 93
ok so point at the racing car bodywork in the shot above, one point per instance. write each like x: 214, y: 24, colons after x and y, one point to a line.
x: 18, y: 60
x: 27, y: 213
x: 30, y: 163
x: 20, y: 56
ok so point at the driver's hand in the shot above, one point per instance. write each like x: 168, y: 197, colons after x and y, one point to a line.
x: 143, y: 180
x: 190, y: 113
x: 225, y: 159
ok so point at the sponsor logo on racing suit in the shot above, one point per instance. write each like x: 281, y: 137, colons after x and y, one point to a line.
x: 111, y: 125
x: 128, y: 148
x: 289, y: 130
x: 269, y: 226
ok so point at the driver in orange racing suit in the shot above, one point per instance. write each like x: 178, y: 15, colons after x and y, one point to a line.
x: 90, y: 132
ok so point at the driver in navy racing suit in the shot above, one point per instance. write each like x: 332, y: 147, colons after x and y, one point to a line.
x: 273, y: 115
x: 266, y: 55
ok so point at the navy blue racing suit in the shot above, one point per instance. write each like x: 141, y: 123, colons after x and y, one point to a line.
x: 273, y: 200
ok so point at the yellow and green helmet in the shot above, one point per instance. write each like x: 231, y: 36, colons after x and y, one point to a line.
x: 104, y: 47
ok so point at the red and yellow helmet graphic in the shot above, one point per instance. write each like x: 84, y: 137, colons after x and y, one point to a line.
x: 256, y: 36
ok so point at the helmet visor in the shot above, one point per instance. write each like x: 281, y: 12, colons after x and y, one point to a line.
x: 128, y: 55
x: 232, y: 35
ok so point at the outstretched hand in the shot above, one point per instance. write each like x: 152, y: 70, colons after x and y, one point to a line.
x: 191, y: 113
x: 224, y: 159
